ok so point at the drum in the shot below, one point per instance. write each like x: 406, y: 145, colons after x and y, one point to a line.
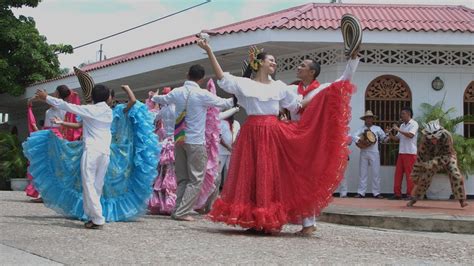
x: 370, y: 137
x: 366, y: 139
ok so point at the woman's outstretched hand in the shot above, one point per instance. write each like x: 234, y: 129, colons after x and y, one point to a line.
x: 204, y: 45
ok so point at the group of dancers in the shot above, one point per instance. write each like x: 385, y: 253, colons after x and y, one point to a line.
x: 99, y: 163
x: 130, y: 158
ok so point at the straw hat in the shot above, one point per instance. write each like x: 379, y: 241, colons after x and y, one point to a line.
x: 368, y: 113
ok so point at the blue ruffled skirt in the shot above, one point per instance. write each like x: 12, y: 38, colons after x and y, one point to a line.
x: 135, y: 151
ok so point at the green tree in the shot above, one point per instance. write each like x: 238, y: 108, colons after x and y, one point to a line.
x: 25, y: 56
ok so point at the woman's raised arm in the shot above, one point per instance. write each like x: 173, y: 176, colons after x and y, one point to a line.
x: 215, y: 65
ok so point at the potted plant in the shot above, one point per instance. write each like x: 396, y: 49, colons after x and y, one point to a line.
x: 440, y: 187
x: 12, y: 163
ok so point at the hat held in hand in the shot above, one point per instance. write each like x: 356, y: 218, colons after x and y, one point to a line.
x: 87, y: 83
x: 351, y: 33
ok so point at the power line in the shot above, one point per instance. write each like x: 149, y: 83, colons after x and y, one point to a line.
x: 144, y: 24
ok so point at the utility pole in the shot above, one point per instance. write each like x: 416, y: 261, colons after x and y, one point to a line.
x: 100, y: 53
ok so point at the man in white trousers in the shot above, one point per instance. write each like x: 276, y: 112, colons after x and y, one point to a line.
x: 96, y: 122
x: 369, y: 155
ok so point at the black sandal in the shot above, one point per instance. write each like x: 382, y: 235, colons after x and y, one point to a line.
x: 91, y: 225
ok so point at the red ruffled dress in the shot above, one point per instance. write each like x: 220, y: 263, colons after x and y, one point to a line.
x: 281, y: 172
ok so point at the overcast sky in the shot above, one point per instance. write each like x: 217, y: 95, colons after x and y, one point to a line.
x: 79, y: 21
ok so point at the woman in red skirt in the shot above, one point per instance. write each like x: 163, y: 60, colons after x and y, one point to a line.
x: 281, y: 171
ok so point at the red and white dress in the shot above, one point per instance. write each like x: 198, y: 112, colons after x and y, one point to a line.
x: 281, y: 171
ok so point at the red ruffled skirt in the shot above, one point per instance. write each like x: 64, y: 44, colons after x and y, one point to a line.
x: 281, y: 172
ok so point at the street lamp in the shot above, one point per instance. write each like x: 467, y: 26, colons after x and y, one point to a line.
x: 437, y: 84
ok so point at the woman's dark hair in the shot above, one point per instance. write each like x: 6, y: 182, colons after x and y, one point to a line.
x: 100, y: 93
x: 63, y: 91
x: 248, y: 70
x: 408, y: 109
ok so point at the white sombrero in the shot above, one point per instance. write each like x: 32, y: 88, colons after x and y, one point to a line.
x: 351, y: 33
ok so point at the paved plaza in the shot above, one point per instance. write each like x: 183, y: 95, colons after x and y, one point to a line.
x: 33, y: 234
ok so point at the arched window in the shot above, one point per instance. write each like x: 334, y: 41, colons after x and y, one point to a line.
x: 469, y: 110
x: 386, y: 96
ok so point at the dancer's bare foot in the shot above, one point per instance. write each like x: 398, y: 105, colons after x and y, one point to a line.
x: 185, y: 218
x: 463, y: 203
x: 411, y: 202
x: 306, y: 231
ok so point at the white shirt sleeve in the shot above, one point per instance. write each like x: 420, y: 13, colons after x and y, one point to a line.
x: 291, y: 100
x: 81, y: 110
x: 350, y: 69
x: 413, y: 128
x: 164, y: 99
x: 228, y: 113
x: 210, y: 99
x: 398, y: 135
x: 229, y: 83
x: 355, y: 135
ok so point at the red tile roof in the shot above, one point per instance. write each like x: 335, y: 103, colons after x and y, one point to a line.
x: 373, y: 17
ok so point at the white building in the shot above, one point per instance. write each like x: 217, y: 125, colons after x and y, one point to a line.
x: 405, y: 47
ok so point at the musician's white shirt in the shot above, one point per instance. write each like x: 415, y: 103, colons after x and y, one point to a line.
x: 408, y: 145
x: 379, y: 135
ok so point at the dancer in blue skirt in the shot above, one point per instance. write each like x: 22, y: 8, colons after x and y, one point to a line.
x: 108, y: 175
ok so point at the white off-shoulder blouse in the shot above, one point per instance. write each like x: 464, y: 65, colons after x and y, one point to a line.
x: 259, y: 98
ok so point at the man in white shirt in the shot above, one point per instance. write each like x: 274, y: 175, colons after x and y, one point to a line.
x: 407, y: 135
x: 369, y: 155
x: 96, y: 121
x: 191, y: 157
